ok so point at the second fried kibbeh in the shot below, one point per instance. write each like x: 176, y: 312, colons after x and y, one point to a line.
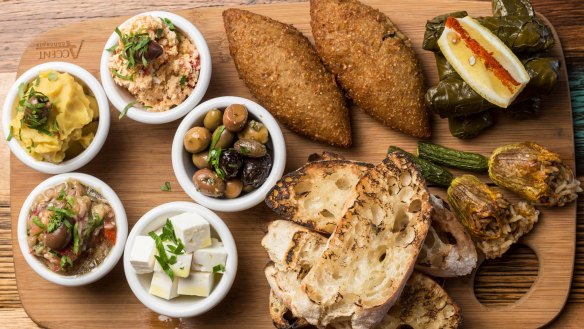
x: 284, y: 73
x: 373, y: 62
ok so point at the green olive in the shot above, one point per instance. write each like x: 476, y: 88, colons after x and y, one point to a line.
x: 235, y: 117
x: 233, y: 188
x: 208, y: 183
x: 213, y: 119
x: 201, y: 160
x: 197, y: 139
x: 225, y: 140
x: 254, y: 130
x: 250, y: 148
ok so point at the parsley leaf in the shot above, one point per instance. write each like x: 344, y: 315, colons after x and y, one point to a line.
x: 218, y: 268
x: 165, y: 187
x: 65, y: 261
x: 112, y: 48
x: 168, y: 23
x: 159, y: 33
x: 183, y: 80
x: 125, y: 110
x: 123, y: 77
x: 37, y: 81
x: 37, y: 222
x: 162, y: 258
x: 10, y: 135
x: 76, y: 239
x: 21, y: 90
x: 61, y: 195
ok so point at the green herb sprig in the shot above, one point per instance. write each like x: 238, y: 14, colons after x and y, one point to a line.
x: 215, y: 153
x: 176, y: 247
x: 218, y: 268
x: 166, y: 187
x: 125, y: 110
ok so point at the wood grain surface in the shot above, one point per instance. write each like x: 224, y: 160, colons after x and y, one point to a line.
x: 490, y: 288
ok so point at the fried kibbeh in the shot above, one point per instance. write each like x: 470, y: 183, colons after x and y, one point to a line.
x: 282, y: 70
x: 373, y: 62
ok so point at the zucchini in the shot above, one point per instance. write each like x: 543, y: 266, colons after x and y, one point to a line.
x: 452, y: 158
x: 433, y: 173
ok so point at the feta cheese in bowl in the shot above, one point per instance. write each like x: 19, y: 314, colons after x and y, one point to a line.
x: 180, y: 259
x: 155, y: 67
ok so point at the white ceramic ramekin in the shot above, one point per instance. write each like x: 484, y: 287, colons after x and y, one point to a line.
x: 182, y: 306
x: 184, y: 168
x: 112, y: 258
x: 102, y: 130
x: 120, y: 97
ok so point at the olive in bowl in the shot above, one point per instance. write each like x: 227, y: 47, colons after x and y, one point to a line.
x: 245, y: 157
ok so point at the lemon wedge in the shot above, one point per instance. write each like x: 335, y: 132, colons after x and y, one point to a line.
x: 483, y: 60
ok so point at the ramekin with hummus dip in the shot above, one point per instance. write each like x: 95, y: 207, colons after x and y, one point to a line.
x: 55, y: 117
x: 155, y: 63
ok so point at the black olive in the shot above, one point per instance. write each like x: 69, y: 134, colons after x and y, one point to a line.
x: 152, y: 52
x: 256, y: 170
x: 59, y: 238
x: 36, y: 111
x: 230, y: 161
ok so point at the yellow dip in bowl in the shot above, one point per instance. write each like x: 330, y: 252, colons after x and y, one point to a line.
x: 66, y: 128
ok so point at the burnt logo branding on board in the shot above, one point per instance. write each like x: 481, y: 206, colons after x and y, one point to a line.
x: 59, y: 49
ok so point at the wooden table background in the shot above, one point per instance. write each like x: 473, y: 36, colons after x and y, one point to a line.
x: 499, y: 283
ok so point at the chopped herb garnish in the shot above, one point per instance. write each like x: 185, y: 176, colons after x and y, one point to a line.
x: 21, y: 90
x: 165, y: 187
x: 65, y: 261
x: 162, y: 258
x: 159, y: 33
x: 178, y: 249
x: 59, y: 216
x: 37, y: 81
x: 218, y: 268
x: 37, y: 222
x: 168, y: 232
x: 168, y: 23
x: 64, y: 211
x: 76, y: 239
x: 123, y: 77
x: 215, y: 152
x: 68, y: 225
x: 112, y: 48
x: 53, y: 76
x: 9, y: 135
x: 118, y: 32
x: 61, y: 195
x: 70, y: 201
x: 183, y: 80
x: 125, y: 110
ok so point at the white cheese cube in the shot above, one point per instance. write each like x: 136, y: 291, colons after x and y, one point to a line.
x: 142, y: 254
x: 207, y: 258
x: 196, y: 284
x: 163, y: 287
x: 181, y: 268
x: 193, y: 230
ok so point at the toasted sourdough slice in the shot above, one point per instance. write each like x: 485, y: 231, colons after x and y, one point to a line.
x: 314, y: 195
x: 448, y: 250
x: 373, y: 62
x: 282, y: 317
x: 293, y: 247
x: 281, y: 68
x: 373, y: 249
x: 422, y: 304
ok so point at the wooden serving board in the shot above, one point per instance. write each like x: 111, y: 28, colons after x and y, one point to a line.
x: 136, y: 160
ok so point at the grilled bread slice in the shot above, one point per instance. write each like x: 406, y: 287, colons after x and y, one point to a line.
x: 293, y: 247
x: 448, y: 250
x: 422, y: 304
x: 282, y: 317
x: 373, y: 249
x: 314, y: 195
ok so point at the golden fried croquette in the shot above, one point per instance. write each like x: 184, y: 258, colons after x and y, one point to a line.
x: 373, y: 62
x: 284, y: 73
